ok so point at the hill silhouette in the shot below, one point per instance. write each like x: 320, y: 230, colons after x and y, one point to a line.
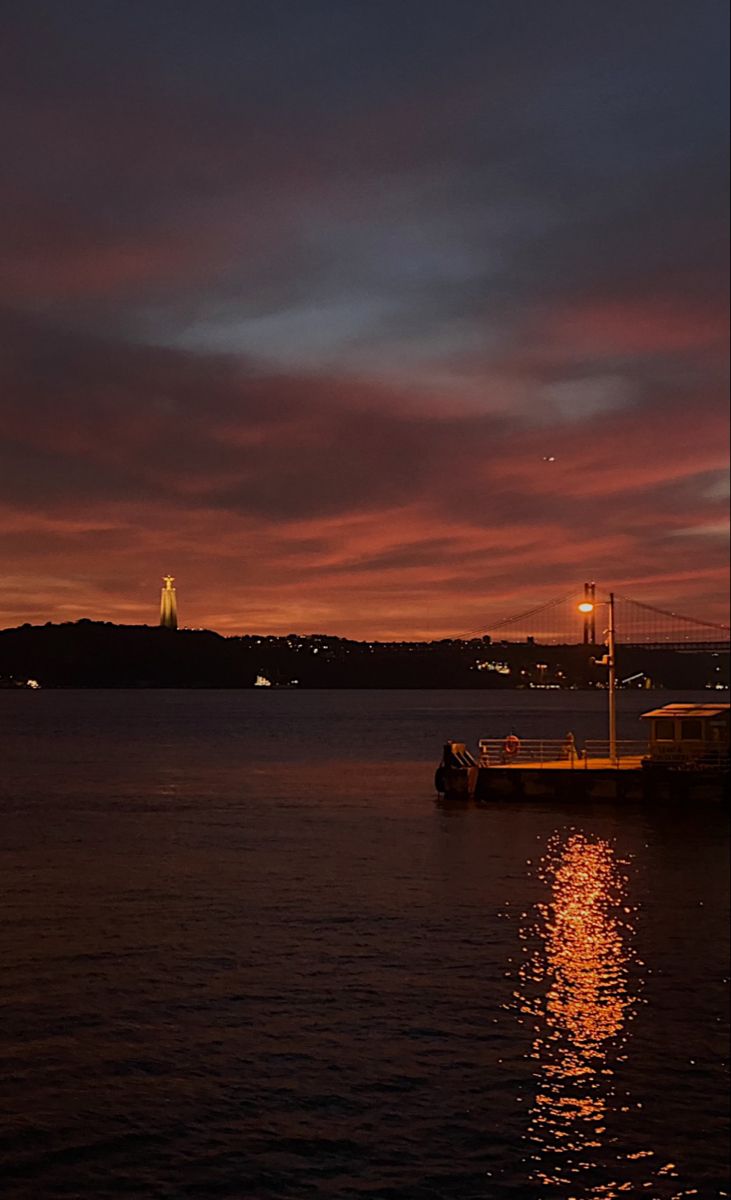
x: 97, y: 654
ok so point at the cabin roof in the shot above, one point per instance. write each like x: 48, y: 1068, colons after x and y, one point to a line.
x: 689, y: 710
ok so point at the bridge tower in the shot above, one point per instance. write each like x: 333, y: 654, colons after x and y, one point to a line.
x: 168, y: 604
x: 590, y: 617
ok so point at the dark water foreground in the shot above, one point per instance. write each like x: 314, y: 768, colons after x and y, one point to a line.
x: 245, y: 954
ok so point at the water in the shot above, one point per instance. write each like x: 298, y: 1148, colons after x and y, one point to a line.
x: 246, y: 954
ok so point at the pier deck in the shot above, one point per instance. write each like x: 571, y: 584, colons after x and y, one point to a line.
x: 686, y: 755
x: 628, y: 763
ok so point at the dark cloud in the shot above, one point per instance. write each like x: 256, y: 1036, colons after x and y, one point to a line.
x: 322, y: 285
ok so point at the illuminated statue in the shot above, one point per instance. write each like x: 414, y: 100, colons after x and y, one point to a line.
x: 168, y: 604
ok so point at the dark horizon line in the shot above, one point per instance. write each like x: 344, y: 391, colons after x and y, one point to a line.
x: 486, y: 638
x: 335, y: 637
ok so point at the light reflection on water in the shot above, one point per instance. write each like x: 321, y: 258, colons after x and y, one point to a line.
x: 579, y: 986
x: 245, y: 956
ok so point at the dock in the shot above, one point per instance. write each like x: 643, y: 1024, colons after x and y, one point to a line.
x: 686, y: 756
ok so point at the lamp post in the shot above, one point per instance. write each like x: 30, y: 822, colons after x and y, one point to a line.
x: 610, y: 661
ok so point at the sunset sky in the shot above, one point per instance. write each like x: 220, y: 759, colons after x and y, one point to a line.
x: 299, y: 297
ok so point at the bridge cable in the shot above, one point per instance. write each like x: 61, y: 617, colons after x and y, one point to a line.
x: 676, y: 616
x: 523, y: 616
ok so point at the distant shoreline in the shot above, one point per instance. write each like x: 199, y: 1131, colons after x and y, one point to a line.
x: 101, y: 656
x: 166, y: 687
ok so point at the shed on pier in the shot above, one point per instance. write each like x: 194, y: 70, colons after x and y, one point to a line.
x: 687, y: 733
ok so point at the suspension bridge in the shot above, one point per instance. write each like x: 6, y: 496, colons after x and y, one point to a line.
x: 637, y: 625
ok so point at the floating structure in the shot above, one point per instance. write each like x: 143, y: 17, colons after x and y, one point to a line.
x: 168, y: 604
x: 687, y: 753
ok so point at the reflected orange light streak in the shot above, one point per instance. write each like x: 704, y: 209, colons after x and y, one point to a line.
x: 575, y: 986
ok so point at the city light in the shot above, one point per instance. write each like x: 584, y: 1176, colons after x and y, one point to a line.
x: 586, y: 606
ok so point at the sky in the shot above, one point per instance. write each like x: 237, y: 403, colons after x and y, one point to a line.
x: 369, y: 318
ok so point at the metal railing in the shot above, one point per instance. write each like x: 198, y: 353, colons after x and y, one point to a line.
x: 628, y: 752
x: 511, y: 750
x: 542, y: 751
x: 539, y: 752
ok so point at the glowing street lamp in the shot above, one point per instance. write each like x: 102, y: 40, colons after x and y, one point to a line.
x: 609, y: 661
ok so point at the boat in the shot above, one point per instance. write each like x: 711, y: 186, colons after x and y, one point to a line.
x: 686, y: 754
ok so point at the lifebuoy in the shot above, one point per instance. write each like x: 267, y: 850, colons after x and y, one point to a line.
x: 511, y: 746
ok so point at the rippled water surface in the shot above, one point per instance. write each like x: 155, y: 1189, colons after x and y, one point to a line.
x: 246, y: 954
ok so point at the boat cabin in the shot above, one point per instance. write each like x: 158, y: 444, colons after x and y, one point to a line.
x: 688, y: 733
